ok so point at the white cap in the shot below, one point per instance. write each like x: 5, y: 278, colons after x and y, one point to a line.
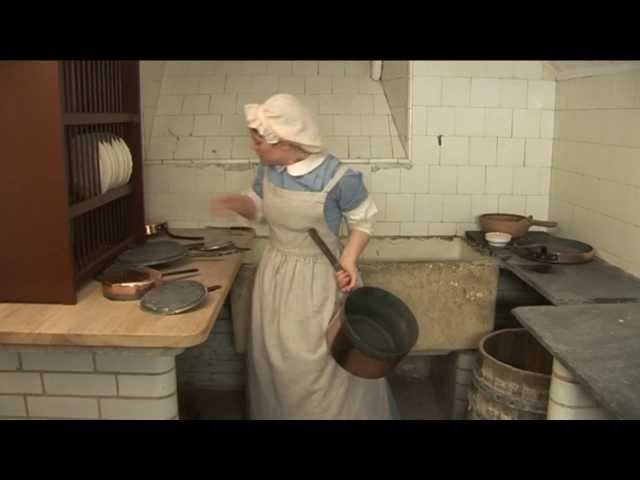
x: 283, y: 117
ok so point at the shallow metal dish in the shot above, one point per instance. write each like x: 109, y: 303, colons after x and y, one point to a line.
x: 175, y: 297
x: 153, y: 253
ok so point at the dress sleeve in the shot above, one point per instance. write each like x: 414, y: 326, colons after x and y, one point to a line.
x: 356, y: 205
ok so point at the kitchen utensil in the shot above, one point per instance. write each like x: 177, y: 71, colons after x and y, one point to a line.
x: 218, y: 246
x: 515, y: 225
x: 372, y: 331
x: 176, y: 297
x: 152, y: 229
x: 497, y: 239
x: 153, y: 253
x: 131, y: 283
x: 553, y: 250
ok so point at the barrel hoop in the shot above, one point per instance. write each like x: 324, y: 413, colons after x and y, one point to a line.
x: 508, y: 400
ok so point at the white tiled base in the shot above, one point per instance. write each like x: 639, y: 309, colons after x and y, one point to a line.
x: 87, y: 384
x: 568, y: 400
x: 465, y: 362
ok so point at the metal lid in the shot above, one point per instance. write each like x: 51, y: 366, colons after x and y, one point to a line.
x: 174, y: 297
x: 153, y: 253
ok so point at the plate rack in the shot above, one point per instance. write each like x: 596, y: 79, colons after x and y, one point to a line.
x: 60, y: 229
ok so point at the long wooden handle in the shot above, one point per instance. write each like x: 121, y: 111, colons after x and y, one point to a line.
x: 313, y: 233
x: 543, y: 223
x: 178, y: 272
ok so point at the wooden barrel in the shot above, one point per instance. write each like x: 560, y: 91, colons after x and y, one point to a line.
x: 512, y: 378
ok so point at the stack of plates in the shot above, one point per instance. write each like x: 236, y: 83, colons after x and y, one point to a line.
x: 114, y: 159
x: 115, y: 162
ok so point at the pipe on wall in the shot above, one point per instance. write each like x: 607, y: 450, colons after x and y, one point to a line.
x: 376, y: 69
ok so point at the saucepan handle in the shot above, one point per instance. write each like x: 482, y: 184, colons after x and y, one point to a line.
x: 543, y: 223
x: 178, y: 272
x: 313, y: 233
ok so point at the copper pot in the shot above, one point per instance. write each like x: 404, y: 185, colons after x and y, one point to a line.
x: 132, y: 283
x: 372, y: 331
x: 515, y: 225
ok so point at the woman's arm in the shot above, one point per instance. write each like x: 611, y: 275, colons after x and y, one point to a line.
x: 224, y: 205
x: 356, y: 243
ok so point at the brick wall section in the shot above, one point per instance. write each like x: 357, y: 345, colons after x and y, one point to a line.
x: 86, y: 385
x: 213, y: 364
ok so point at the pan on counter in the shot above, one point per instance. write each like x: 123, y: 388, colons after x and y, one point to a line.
x: 176, y: 297
x: 515, y: 225
x: 153, y: 253
x: 159, y: 228
x: 131, y: 283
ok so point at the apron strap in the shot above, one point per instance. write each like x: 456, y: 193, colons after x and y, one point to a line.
x: 342, y: 169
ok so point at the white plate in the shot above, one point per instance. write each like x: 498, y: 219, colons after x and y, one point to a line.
x: 129, y: 160
x: 119, y: 159
x: 126, y: 156
x: 499, y: 245
x: 106, y: 167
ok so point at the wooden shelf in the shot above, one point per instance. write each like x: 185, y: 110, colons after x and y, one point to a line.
x: 95, y: 202
x: 101, y: 259
x: 98, y: 118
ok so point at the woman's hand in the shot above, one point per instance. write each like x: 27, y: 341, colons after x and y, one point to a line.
x: 346, y: 278
x: 231, y: 205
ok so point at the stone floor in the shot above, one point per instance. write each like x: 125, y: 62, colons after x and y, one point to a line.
x: 415, y: 398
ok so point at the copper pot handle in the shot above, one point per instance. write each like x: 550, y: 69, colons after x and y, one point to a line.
x: 542, y: 223
x: 313, y: 233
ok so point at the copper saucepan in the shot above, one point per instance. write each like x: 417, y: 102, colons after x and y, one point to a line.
x: 372, y: 331
x: 152, y: 229
x: 132, y: 283
x: 515, y: 225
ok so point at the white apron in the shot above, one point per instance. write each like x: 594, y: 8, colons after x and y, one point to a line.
x: 291, y: 373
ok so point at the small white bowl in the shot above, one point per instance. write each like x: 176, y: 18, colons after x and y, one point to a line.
x: 497, y: 239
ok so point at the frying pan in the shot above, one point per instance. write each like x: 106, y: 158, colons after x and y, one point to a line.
x: 132, y: 283
x: 176, y: 297
x: 222, y: 245
x: 152, y: 229
x: 372, y: 331
x: 515, y: 225
x: 153, y: 253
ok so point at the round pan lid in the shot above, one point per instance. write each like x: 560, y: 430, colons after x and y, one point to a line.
x: 175, y: 297
x: 153, y: 253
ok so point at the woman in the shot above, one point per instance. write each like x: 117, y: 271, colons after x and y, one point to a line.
x: 291, y: 373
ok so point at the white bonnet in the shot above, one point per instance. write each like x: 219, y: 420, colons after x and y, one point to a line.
x: 283, y: 117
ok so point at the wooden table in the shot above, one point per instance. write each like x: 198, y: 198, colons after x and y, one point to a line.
x: 97, y: 321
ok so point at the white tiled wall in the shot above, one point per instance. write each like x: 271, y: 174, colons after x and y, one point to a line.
x: 595, y: 180
x: 396, y: 80
x: 86, y: 385
x: 484, y: 132
x: 195, y: 108
x: 479, y: 137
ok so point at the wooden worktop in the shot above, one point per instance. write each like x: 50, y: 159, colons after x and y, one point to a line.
x: 97, y: 321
